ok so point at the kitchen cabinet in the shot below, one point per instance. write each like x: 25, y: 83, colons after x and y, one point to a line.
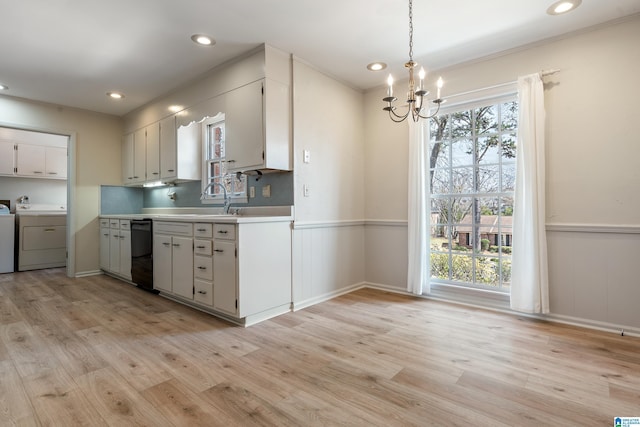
x: 7, y: 157
x: 180, y: 151
x: 225, y: 292
x: 40, y: 161
x: 134, y: 152
x: 152, y: 153
x: 258, y: 126
x: 115, y: 247
x: 173, y: 258
x: 127, y: 159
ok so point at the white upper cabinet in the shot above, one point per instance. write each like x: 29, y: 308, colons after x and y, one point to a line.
x: 41, y: 161
x: 168, y: 149
x: 127, y: 159
x: 56, y: 162
x: 153, y: 152
x: 180, y: 151
x: 6, y: 157
x: 258, y: 126
x: 140, y: 156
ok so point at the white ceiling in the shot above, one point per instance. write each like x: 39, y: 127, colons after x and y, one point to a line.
x: 71, y: 52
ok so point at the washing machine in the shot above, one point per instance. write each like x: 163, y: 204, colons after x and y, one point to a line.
x: 7, y: 236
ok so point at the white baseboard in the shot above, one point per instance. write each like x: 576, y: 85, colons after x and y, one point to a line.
x: 299, y: 305
x: 88, y: 273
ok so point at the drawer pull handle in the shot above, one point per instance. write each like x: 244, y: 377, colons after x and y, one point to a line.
x: 222, y: 231
x: 202, y: 292
x: 177, y: 245
x: 201, y: 267
x: 202, y: 230
x: 200, y: 247
x: 171, y: 170
x: 219, y: 250
x: 49, y: 230
x: 166, y: 244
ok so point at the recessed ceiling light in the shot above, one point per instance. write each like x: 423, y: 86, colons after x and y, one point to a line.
x: 175, y: 108
x: 563, y: 6
x: 4, y: 87
x: 376, y: 66
x: 115, y: 95
x: 203, y: 40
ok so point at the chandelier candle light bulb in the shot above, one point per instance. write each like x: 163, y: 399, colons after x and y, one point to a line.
x: 390, y: 83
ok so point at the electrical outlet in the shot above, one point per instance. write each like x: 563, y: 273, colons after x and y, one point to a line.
x: 252, y: 192
x: 266, y: 190
x: 305, y: 190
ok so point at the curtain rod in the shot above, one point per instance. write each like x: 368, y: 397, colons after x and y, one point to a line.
x: 543, y: 73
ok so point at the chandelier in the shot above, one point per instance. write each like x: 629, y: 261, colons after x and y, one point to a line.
x: 416, y: 96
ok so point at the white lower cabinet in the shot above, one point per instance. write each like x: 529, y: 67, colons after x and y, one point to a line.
x: 238, y: 271
x: 173, y: 258
x: 115, y: 247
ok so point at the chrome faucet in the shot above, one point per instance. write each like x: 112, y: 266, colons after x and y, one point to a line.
x: 227, y: 199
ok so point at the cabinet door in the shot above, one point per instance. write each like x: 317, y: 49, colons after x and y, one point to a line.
x: 139, y: 156
x: 168, y: 148
x: 162, y: 270
x: 30, y: 160
x: 6, y: 157
x: 56, y: 162
x: 105, y: 239
x: 224, y: 277
x: 244, y: 127
x: 125, y: 253
x: 153, y: 152
x: 114, y: 250
x: 182, y: 275
x: 127, y: 159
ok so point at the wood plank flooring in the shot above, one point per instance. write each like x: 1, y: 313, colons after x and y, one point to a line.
x: 97, y: 352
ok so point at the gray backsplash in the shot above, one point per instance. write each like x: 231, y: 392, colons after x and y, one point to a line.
x: 131, y: 200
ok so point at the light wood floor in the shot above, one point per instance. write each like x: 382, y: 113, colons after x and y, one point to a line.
x: 95, y: 351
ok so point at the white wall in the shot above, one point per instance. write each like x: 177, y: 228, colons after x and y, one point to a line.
x: 96, y: 150
x: 592, y: 173
x: 328, y: 237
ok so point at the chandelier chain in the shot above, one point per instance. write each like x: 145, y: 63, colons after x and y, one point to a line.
x: 410, y: 30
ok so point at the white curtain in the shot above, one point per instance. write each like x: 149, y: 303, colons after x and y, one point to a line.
x: 418, y: 209
x: 529, y: 278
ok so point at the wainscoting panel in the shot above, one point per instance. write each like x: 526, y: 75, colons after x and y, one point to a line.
x: 328, y: 260
x: 594, y: 273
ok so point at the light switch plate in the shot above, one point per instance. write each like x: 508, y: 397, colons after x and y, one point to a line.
x: 306, y: 156
x: 266, y: 190
x: 252, y: 192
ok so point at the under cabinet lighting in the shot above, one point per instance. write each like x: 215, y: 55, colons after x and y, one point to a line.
x: 153, y: 184
x: 4, y: 87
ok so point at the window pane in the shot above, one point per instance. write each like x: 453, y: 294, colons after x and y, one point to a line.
x: 461, y: 124
x: 462, y: 180
x: 440, y: 266
x: 508, y: 147
x: 506, y: 207
x: 509, y: 112
x: 439, y: 156
x: 462, y: 268
x: 489, y: 205
x: 440, y: 182
x: 487, y: 271
x: 439, y: 209
x: 488, y: 179
x: 462, y: 153
x: 486, y: 119
x: 488, y: 150
x: 505, y: 271
x: 508, y: 177
x: 438, y: 127
x: 460, y: 212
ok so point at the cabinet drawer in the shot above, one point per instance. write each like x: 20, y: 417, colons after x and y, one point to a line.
x: 203, y: 230
x: 224, y: 231
x: 125, y: 224
x: 104, y: 223
x: 114, y: 223
x: 203, y: 267
x: 202, y: 247
x: 203, y: 292
x: 175, y: 228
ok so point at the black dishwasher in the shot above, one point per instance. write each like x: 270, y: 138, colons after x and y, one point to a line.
x: 142, y: 254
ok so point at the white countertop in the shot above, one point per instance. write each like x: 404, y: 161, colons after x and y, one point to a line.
x: 243, y: 215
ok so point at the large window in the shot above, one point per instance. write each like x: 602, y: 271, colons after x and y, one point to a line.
x: 472, y: 170
x: 215, y: 166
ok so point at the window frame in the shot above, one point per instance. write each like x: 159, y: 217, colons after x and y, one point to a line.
x: 499, y: 196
